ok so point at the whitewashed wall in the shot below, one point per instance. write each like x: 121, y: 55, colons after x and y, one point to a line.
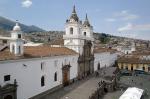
x: 29, y: 76
x: 105, y: 59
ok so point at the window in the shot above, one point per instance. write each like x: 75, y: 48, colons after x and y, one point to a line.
x: 84, y: 33
x: 71, y: 30
x: 131, y: 68
x: 13, y: 48
x: 42, y: 81
x: 4, y: 41
x: 98, y: 66
x: 55, y: 76
x: 7, y: 78
x: 148, y: 68
x: 42, y: 65
x: 19, y: 35
x: 126, y: 67
x: 143, y: 68
x: 19, y: 50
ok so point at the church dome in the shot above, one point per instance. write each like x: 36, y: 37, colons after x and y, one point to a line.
x: 16, y: 27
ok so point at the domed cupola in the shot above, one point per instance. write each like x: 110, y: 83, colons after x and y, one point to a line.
x: 16, y: 27
x: 16, y: 43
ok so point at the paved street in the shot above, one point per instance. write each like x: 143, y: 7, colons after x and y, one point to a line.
x: 79, y: 90
x: 84, y: 88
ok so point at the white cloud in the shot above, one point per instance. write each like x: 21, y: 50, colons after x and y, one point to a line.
x: 110, y: 19
x: 125, y: 15
x: 131, y: 27
x: 26, y: 3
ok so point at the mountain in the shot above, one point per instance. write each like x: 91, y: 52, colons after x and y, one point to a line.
x: 7, y: 24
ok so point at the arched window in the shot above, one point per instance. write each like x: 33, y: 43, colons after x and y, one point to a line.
x: 19, y: 35
x: 131, y: 68
x: 71, y: 30
x: 84, y: 33
x: 55, y: 76
x: 42, y: 81
x: 19, y: 50
x: 13, y: 48
x: 98, y: 66
x: 143, y: 68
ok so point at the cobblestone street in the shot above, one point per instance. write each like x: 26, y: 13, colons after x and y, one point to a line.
x: 79, y: 90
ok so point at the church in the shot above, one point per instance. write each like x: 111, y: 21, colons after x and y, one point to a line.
x: 28, y: 72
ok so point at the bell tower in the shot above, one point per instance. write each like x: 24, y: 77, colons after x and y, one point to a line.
x: 16, y: 44
x: 87, y: 32
x: 73, y: 37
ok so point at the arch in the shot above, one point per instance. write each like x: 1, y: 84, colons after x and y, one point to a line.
x: 71, y: 30
x: 55, y: 76
x: 42, y: 81
x: 8, y: 97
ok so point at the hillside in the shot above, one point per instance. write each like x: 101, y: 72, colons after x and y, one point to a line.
x: 7, y: 25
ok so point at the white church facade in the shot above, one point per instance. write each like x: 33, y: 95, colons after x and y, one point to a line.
x: 28, y: 72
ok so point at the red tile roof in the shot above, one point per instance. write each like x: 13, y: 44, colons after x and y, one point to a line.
x: 37, y: 51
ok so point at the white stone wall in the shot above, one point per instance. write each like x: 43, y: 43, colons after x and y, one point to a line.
x: 105, y: 59
x: 28, y: 73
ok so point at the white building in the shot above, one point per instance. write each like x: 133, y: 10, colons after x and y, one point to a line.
x: 31, y: 71
x: 77, y: 33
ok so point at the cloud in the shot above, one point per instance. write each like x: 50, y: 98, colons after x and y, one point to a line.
x: 110, y: 19
x: 26, y: 3
x: 125, y: 15
x: 131, y: 27
x: 128, y: 27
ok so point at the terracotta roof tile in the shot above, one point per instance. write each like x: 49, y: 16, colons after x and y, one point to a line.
x: 132, y: 60
x: 100, y: 50
x: 37, y: 51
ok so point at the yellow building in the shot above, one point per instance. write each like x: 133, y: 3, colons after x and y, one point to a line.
x: 132, y: 63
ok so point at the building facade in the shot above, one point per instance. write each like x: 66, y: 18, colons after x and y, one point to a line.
x: 28, y: 72
x: 132, y: 64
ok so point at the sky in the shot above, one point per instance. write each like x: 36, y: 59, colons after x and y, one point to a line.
x: 130, y: 18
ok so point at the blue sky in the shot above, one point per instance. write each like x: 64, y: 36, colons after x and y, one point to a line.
x: 129, y: 18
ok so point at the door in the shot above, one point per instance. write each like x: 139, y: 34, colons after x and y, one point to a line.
x: 66, y: 74
x: 65, y: 78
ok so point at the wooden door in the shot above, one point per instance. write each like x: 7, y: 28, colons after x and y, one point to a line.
x: 65, y: 78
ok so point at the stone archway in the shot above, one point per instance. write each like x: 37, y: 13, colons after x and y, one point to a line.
x: 66, y: 75
x: 8, y: 97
